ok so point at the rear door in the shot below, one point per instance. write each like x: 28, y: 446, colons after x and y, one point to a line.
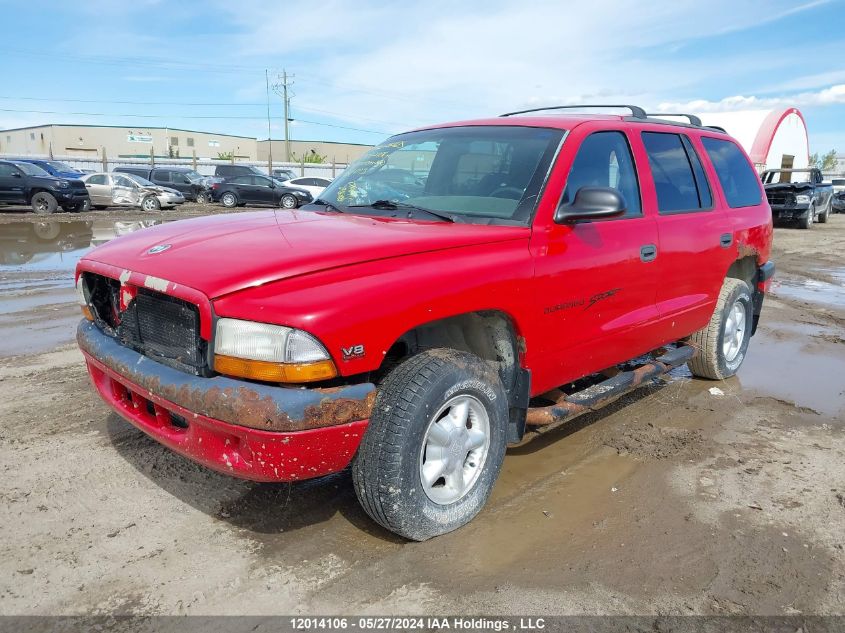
x: 595, y: 280
x: 695, y: 238
x: 99, y: 189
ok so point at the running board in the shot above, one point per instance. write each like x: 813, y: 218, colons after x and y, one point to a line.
x: 568, y: 406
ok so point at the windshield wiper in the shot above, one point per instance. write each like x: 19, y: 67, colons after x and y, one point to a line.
x: 390, y: 205
x: 328, y: 205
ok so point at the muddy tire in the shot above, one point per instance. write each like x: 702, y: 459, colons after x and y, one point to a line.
x: 203, y: 198
x: 722, y: 344
x: 822, y: 219
x: 229, y: 200
x: 807, y: 221
x: 74, y: 208
x: 44, y: 203
x: 434, y: 445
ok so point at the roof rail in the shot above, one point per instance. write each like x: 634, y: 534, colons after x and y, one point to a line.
x: 636, y: 111
x: 718, y: 128
x: 694, y: 120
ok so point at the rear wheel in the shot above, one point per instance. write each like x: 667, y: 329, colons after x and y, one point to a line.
x: 229, y: 200
x: 434, y: 445
x: 44, y: 203
x: 722, y: 344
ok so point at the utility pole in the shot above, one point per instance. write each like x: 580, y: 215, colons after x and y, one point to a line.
x: 284, y: 90
x: 269, y: 135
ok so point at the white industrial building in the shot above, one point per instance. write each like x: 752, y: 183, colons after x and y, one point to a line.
x: 774, y: 139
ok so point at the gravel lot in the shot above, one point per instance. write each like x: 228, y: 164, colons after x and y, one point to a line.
x: 672, y: 501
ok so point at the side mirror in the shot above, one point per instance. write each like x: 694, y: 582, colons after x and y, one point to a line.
x: 592, y: 203
x: 16, y: 174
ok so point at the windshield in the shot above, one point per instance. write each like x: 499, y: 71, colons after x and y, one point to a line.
x: 60, y: 166
x: 141, y: 181
x: 31, y: 170
x: 476, y: 173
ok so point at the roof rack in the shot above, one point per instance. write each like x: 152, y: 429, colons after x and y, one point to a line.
x: 694, y: 120
x: 636, y: 111
x: 718, y: 128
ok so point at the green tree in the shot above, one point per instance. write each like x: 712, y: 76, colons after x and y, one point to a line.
x: 311, y: 157
x: 224, y: 155
x: 827, y: 162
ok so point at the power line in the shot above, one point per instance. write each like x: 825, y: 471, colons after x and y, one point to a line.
x: 189, y: 117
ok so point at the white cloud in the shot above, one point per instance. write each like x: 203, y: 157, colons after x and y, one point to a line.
x: 827, y: 96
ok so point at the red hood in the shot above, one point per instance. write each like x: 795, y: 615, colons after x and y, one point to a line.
x: 220, y: 254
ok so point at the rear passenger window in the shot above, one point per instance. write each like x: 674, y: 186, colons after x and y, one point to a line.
x: 738, y: 179
x: 678, y: 177
x: 161, y: 176
x: 604, y: 160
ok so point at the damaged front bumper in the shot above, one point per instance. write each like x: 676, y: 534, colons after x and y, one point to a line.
x: 249, y: 430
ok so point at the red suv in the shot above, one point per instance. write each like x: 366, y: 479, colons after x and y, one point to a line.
x: 414, y: 326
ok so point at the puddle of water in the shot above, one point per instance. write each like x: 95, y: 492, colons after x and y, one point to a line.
x: 797, y: 369
x: 812, y: 290
x: 37, y: 261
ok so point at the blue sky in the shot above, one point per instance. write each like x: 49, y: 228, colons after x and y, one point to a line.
x: 366, y: 69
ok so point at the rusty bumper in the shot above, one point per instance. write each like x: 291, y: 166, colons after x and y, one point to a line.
x: 236, y: 402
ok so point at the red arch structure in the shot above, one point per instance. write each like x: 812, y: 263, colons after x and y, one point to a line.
x: 766, y: 134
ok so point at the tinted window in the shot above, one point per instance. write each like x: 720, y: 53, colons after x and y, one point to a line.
x: 604, y: 160
x: 737, y: 177
x: 161, y: 176
x: 7, y: 170
x: 97, y: 179
x: 261, y: 181
x: 321, y: 182
x: 300, y: 181
x: 672, y: 170
x: 705, y: 198
x: 242, y: 180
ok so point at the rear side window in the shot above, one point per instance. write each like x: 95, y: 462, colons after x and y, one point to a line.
x: 604, y: 160
x: 737, y: 177
x: 161, y: 176
x: 242, y: 180
x: 679, y: 179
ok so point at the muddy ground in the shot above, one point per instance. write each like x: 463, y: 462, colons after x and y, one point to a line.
x: 673, y: 501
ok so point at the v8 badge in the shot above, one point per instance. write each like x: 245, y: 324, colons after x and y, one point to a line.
x: 355, y: 351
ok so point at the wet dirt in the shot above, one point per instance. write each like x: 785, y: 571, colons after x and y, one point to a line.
x: 671, y: 500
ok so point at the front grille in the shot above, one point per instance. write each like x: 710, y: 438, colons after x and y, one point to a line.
x: 780, y: 199
x: 162, y: 327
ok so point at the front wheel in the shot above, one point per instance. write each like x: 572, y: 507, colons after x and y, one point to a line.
x: 150, y: 203
x: 44, y: 203
x: 807, y: 221
x: 203, y: 198
x: 434, y: 445
x: 289, y: 201
x: 722, y: 344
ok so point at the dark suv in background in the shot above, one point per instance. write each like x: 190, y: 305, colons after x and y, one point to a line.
x: 183, y: 179
x: 23, y: 183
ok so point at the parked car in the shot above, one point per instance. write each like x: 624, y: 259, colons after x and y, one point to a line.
x: 187, y: 181
x: 23, y: 183
x: 798, y: 195
x: 541, y: 272
x: 284, y: 174
x: 314, y: 186
x: 55, y: 168
x: 128, y: 190
x: 230, y: 171
x: 262, y: 190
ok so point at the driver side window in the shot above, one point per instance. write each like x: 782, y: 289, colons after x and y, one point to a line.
x: 604, y: 160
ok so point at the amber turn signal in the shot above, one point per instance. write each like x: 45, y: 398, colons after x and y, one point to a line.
x: 274, y: 372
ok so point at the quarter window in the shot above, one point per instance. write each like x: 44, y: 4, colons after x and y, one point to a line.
x: 679, y: 179
x: 604, y: 160
x: 738, y: 179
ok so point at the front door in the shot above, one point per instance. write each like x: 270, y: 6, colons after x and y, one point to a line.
x: 11, y: 183
x: 595, y: 279
x: 265, y: 191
